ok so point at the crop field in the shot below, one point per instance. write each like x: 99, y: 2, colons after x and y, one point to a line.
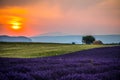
x: 89, y: 64
x: 32, y: 50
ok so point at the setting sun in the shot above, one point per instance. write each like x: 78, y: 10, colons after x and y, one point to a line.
x: 16, y: 23
x: 16, y: 27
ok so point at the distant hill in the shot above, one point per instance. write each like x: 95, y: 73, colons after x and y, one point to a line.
x: 53, y: 34
x: 5, y: 38
x: 75, y: 38
x: 57, y: 39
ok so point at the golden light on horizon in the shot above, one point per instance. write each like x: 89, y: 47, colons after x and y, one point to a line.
x: 16, y: 23
x: 16, y: 27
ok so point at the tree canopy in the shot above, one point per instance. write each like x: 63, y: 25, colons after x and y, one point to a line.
x: 88, y: 39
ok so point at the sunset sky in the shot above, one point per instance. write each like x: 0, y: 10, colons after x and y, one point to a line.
x: 81, y: 17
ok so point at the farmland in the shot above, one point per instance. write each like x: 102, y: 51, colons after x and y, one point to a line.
x: 70, y: 62
x: 32, y: 50
x: 94, y: 64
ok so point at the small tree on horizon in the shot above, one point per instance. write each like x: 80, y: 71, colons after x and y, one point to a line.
x: 88, y: 39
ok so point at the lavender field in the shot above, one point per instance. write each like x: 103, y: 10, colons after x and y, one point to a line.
x: 92, y: 64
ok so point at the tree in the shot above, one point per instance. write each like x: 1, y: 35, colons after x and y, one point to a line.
x: 88, y: 39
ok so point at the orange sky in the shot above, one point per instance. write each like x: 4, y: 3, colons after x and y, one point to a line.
x: 79, y: 17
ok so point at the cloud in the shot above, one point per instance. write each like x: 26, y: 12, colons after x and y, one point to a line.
x: 108, y: 9
x: 112, y: 8
x: 64, y: 4
x: 11, y: 3
x: 75, y: 16
x: 78, y: 4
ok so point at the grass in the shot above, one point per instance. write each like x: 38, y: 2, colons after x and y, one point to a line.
x: 33, y: 50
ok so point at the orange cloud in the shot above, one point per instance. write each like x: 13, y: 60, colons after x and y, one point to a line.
x: 64, y: 16
x: 7, y: 13
x: 10, y: 17
x: 13, y: 10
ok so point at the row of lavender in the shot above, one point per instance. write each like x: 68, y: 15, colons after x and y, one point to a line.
x: 94, y: 64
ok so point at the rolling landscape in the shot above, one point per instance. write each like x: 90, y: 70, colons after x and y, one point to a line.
x: 59, y: 39
x: 55, y: 61
x: 21, y: 61
x: 33, y: 50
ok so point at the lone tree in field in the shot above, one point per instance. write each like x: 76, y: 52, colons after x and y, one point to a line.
x: 88, y: 39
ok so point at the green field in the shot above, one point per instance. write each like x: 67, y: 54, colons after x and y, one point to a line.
x: 32, y: 50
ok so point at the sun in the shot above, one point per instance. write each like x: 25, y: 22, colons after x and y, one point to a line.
x: 16, y: 27
x: 16, y: 23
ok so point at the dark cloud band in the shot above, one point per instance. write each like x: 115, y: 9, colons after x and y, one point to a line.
x: 9, y: 3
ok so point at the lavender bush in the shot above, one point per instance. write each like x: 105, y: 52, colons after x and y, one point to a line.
x: 94, y: 64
